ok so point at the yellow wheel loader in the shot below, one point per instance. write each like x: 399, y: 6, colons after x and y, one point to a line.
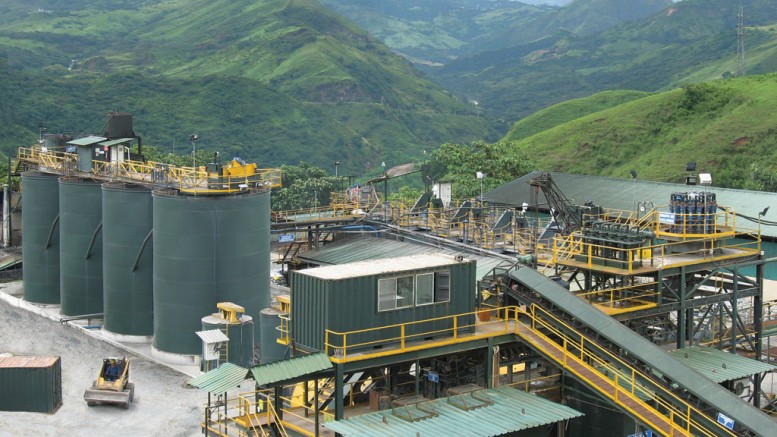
x: 112, y: 385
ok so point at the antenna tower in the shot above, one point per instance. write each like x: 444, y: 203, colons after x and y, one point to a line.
x: 740, y: 42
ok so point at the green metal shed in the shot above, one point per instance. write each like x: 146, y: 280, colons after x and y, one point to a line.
x: 31, y: 384
x: 378, y: 293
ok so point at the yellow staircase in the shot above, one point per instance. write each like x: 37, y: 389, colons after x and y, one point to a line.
x: 654, y: 406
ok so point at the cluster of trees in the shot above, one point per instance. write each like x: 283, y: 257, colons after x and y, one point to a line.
x: 499, y: 162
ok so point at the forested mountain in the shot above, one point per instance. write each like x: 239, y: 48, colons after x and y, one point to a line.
x: 275, y: 81
x: 691, y: 41
x: 434, y: 32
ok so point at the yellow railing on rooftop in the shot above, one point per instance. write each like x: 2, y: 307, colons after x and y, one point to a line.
x: 658, y: 255
x: 62, y: 162
x: 193, y: 180
x: 625, y: 380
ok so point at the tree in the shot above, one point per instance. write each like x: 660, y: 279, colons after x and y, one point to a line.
x: 501, y: 162
x: 304, y: 186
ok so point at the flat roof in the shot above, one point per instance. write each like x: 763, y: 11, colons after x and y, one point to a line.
x: 492, y: 412
x: 114, y: 142
x: 367, y: 247
x: 87, y: 141
x: 381, y: 266
x: 30, y: 362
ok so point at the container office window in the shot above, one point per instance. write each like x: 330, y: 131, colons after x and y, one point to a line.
x: 424, y: 289
x: 432, y: 288
x: 405, y: 292
x: 395, y: 293
x: 442, y: 287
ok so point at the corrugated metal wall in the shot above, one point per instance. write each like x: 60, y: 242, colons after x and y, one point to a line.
x: 30, y: 384
x: 351, y: 304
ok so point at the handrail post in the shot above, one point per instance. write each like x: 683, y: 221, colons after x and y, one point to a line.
x: 345, y: 338
x: 565, y: 350
x: 616, y: 387
x: 402, y: 335
x: 590, y: 254
x: 455, y: 327
x: 631, y: 260
x: 688, y: 419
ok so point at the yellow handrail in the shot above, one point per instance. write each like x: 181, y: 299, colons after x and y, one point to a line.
x: 654, y: 255
x: 339, y: 348
x: 605, y: 359
x: 194, y: 180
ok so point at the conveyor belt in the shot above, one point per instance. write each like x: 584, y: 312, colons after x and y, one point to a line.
x: 706, y: 390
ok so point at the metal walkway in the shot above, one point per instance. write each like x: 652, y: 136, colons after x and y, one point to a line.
x: 638, y: 350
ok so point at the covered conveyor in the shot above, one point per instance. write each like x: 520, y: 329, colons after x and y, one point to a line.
x: 648, y: 355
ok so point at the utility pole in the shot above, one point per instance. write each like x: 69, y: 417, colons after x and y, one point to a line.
x: 740, y: 42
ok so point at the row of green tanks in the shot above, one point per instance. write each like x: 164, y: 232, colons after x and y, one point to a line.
x: 152, y: 260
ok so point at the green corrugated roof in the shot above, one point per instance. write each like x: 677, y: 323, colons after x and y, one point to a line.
x: 370, y: 248
x: 114, y: 142
x: 512, y: 410
x: 718, y: 365
x: 87, y: 141
x: 623, y: 193
x: 222, y: 379
x: 286, y: 370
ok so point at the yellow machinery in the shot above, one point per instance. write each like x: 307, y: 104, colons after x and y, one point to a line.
x: 112, y: 385
x: 235, y: 175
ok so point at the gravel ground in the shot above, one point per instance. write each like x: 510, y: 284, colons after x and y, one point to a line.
x: 163, y: 405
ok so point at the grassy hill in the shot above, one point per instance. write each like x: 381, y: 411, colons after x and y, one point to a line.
x: 726, y: 126
x: 569, y: 110
x: 694, y: 40
x: 274, y: 81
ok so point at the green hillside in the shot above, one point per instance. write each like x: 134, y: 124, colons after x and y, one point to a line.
x: 434, y: 32
x: 274, y: 81
x: 568, y: 111
x: 694, y: 40
x: 726, y: 126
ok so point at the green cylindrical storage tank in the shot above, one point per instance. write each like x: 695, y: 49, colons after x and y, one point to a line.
x: 271, y: 350
x: 240, y: 347
x: 81, y: 251
x: 40, y: 237
x: 127, y: 261
x: 207, y: 249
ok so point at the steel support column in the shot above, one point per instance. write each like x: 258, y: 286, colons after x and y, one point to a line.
x: 681, y: 312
